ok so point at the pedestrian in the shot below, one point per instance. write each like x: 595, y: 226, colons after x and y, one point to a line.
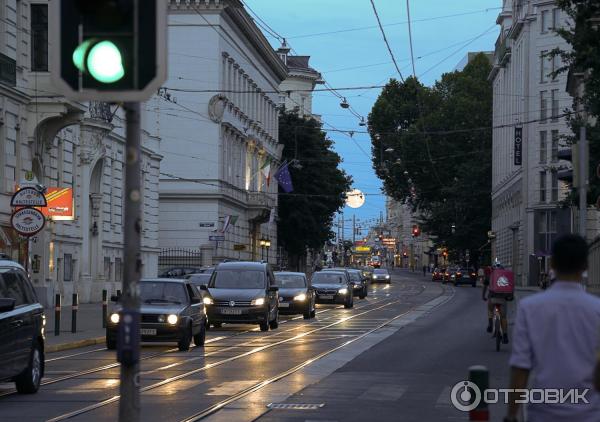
x: 424, y: 270
x: 555, y: 339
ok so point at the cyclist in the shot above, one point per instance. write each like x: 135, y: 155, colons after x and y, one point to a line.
x: 494, y: 298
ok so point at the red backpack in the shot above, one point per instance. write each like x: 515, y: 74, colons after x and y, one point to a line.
x: 502, y: 282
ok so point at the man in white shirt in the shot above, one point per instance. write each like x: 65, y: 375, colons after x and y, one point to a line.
x: 556, y: 339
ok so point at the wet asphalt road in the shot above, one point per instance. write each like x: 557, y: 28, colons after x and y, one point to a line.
x: 403, y: 377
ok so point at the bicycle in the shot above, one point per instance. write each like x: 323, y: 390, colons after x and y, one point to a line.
x: 497, y: 332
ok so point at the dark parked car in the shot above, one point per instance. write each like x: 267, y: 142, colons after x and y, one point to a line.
x: 464, y: 276
x: 381, y: 274
x: 243, y: 293
x: 21, y: 330
x: 359, y: 283
x: 171, y: 310
x: 333, y: 287
x: 296, y: 296
x: 180, y: 272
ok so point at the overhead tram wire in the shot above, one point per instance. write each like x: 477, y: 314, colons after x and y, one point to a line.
x: 386, y: 41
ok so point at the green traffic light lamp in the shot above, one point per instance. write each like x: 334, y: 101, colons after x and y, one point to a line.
x: 101, y: 59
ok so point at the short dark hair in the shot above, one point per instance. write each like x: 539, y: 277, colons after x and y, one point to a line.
x: 570, y: 254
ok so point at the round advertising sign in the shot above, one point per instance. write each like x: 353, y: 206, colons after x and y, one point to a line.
x: 28, y: 221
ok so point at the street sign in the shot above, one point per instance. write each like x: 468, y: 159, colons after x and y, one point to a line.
x: 239, y: 247
x: 108, y: 50
x: 28, y: 221
x: 216, y: 238
x: 28, y: 197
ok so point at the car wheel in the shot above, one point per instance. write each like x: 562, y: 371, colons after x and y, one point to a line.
x: 184, y: 344
x: 307, y: 314
x: 349, y: 304
x: 28, y: 382
x: 264, y: 326
x: 275, y: 323
x: 201, y: 336
x: 111, y: 341
x: 313, y: 313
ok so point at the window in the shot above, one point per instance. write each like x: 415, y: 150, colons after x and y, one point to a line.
x: 545, y: 64
x: 68, y: 263
x: 545, y: 21
x: 555, y: 146
x: 11, y: 286
x: 39, y: 37
x: 543, y: 105
x: 554, y: 182
x: 542, y: 186
x: 543, y: 146
x: 555, y: 65
x: 555, y: 18
x: 554, y: 105
x: 107, y: 265
x: 118, y: 269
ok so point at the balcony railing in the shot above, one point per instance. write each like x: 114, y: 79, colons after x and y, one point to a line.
x: 261, y: 200
x: 8, y: 70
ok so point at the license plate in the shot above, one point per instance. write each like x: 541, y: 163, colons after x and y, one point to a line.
x: 148, y: 331
x: 231, y: 311
x: 326, y: 297
x: 284, y: 305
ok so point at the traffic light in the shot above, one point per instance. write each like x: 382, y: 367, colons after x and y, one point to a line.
x: 571, y: 175
x: 108, y: 50
x: 416, y: 231
x: 445, y: 253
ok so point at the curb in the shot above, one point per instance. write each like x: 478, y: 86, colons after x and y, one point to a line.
x: 74, y: 344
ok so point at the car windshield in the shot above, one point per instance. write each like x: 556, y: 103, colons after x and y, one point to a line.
x: 199, y: 278
x: 162, y: 292
x: 380, y: 272
x: 328, y: 278
x: 287, y: 281
x: 238, y: 279
x: 354, y: 276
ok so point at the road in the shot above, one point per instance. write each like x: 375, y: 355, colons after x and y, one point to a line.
x: 394, y: 356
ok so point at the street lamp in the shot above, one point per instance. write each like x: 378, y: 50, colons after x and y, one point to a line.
x: 264, y: 244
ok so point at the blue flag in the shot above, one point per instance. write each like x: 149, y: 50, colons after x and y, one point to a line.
x: 284, y: 178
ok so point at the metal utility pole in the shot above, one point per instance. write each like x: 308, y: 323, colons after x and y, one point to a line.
x: 583, y: 176
x: 129, y: 334
x: 353, y: 228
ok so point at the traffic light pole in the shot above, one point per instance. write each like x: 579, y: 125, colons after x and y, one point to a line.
x: 583, y: 178
x: 129, y: 338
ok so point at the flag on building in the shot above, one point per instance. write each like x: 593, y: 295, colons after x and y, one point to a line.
x: 284, y: 178
x: 266, y: 170
x: 230, y: 220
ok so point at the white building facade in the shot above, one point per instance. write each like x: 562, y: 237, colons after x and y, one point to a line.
x: 76, y: 149
x: 218, y: 121
x: 530, y: 106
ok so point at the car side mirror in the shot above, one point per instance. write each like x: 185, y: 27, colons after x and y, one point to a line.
x: 204, y: 287
x: 7, y: 304
x: 273, y: 289
x: 115, y: 298
x: 195, y: 300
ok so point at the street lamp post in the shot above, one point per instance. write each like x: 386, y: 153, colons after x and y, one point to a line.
x: 262, y: 249
x: 267, y: 245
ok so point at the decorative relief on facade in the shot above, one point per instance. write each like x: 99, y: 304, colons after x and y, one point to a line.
x: 216, y: 108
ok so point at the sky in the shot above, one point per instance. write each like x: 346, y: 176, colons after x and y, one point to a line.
x: 443, y: 31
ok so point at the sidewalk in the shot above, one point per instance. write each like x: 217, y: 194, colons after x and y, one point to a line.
x: 89, y: 328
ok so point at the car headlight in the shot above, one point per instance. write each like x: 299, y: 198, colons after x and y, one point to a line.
x: 387, y: 276
x: 172, y: 319
x: 300, y: 298
x: 343, y: 291
x: 258, y: 301
x: 114, y: 318
x: 208, y: 300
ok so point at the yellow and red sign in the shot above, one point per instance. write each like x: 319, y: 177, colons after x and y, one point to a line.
x: 60, y: 204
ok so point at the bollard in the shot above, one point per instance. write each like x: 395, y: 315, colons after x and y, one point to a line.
x: 104, y: 307
x: 480, y: 376
x: 57, y: 305
x: 74, y: 310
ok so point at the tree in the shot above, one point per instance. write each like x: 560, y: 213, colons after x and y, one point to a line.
x: 306, y: 214
x: 441, y: 160
x: 584, y: 57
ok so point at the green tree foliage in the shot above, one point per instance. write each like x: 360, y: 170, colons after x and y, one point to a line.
x: 306, y: 214
x: 441, y: 162
x: 584, y: 57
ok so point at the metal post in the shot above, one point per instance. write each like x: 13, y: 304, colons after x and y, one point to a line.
x: 353, y: 229
x: 583, y: 182
x: 480, y: 376
x: 129, y: 405
x: 74, y: 309
x: 57, y: 305
x: 104, y: 307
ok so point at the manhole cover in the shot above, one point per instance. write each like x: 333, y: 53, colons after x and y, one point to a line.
x: 295, y: 406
